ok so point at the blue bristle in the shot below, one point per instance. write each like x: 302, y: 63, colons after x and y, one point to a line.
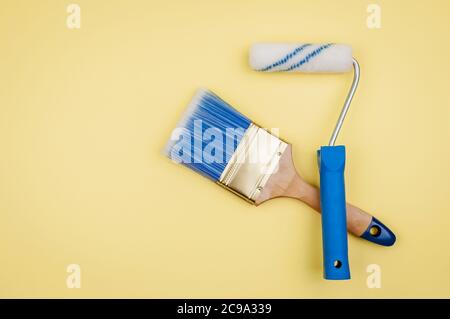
x: 217, y: 117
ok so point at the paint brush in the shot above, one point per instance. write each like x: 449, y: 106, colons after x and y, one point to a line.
x: 217, y: 141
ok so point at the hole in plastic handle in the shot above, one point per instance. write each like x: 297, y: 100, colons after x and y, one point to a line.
x: 375, y: 231
x: 337, y: 264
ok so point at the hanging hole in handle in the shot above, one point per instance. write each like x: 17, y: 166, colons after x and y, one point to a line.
x: 337, y: 264
x: 375, y: 231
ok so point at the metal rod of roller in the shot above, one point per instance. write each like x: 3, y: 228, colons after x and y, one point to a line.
x: 348, y: 100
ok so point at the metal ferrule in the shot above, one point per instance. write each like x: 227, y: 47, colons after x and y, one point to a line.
x: 256, y: 158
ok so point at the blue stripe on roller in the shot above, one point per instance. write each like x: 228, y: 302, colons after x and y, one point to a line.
x: 286, y: 58
x: 308, y: 57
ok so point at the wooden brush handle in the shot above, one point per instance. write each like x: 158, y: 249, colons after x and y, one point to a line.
x: 287, y: 183
x: 359, y: 222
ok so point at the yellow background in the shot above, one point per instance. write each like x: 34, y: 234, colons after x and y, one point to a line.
x: 85, y: 113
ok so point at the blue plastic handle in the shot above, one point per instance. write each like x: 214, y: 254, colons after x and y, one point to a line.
x: 334, y: 220
x: 379, y: 233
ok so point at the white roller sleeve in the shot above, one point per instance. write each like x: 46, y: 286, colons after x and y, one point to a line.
x: 301, y: 57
